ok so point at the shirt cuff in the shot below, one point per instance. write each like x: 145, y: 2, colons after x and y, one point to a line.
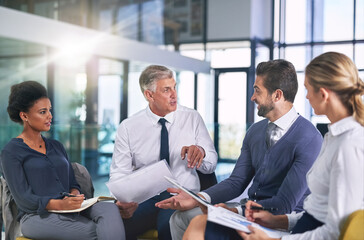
x: 292, y: 219
x: 206, y: 196
x: 202, y: 150
x: 240, y: 209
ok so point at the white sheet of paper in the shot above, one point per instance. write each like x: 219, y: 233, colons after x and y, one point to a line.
x: 142, y: 184
x: 189, y: 192
x: 233, y: 220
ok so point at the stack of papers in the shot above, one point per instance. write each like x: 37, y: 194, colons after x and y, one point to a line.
x: 142, y: 184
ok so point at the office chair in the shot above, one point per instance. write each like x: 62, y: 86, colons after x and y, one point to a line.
x: 354, y: 227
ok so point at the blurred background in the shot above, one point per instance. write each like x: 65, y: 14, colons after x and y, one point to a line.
x: 89, y: 54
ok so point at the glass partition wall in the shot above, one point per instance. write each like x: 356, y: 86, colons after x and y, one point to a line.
x: 90, y: 96
x: 86, y: 116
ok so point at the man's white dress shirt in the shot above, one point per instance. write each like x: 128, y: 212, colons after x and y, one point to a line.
x: 137, y: 144
x: 336, y: 181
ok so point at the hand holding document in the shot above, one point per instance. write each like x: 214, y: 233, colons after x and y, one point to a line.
x: 142, y: 184
x: 227, y: 218
x: 236, y: 221
x: 189, y: 192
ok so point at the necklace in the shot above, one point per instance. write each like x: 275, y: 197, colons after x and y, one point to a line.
x: 31, y: 142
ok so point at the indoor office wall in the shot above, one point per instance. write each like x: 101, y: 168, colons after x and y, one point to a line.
x: 228, y: 19
x: 239, y: 19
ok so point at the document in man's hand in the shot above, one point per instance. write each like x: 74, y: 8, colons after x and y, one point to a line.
x: 236, y: 221
x: 189, y: 192
x: 85, y: 204
x: 225, y: 217
x: 141, y: 184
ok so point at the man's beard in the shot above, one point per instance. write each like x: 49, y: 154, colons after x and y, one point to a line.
x: 265, y: 109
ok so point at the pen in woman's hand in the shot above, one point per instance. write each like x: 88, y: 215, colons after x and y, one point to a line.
x: 269, y: 209
x: 66, y: 194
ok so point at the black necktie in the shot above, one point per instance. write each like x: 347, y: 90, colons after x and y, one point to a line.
x: 164, y: 153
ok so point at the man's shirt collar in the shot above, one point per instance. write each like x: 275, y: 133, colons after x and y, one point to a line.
x: 286, y: 120
x: 155, y: 118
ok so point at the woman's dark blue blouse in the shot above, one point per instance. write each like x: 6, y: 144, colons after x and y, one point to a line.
x: 33, y: 177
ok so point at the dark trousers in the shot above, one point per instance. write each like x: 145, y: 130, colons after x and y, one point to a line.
x: 147, y: 217
x: 306, y: 223
x: 216, y: 231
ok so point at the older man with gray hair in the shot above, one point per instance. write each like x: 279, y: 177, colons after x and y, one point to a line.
x: 163, y: 130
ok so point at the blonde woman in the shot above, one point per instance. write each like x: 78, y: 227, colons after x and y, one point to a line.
x: 336, y: 179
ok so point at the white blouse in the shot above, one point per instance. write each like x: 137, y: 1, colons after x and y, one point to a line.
x: 336, y: 181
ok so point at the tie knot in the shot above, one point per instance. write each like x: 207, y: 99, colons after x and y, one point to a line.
x: 271, y: 126
x: 162, y: 121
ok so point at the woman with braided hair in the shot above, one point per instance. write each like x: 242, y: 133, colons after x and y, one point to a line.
x: 336, y: 179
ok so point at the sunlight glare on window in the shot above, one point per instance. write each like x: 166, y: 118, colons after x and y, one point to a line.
x: 296, y: 22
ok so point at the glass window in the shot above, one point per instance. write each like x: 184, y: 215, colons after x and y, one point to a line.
x: 186, y: 88
x: 46, y: 9
x: 106, y: 21
x: 296, y: 21
x: 183, y: 20
x: 346, y: 49
x: 73, y: 12
x: 234, y: 57
x: 152, y: 22
x: 229, y: 54
x: 110, y: 90
x: 301, y: 104
x: 359, y: 56
x: 276, y: 53
x: 262, y: 54
x: 333, y: 20
x: 359, y: 27
x: 109, y: 95
x: 277, y: 6
x: 127, y: 22
x: 19, y: 61
x: 205, y: 100
x: 298, y: 56
x: 232, y: 113
x: 136, y: 100
x: 70, y: 82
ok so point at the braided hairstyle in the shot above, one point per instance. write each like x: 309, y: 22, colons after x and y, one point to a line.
x: 337, y: 72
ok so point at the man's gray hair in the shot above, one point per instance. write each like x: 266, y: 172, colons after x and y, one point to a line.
x: 151, y: 75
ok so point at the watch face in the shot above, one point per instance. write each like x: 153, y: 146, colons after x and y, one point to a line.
x: 244, y: 201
